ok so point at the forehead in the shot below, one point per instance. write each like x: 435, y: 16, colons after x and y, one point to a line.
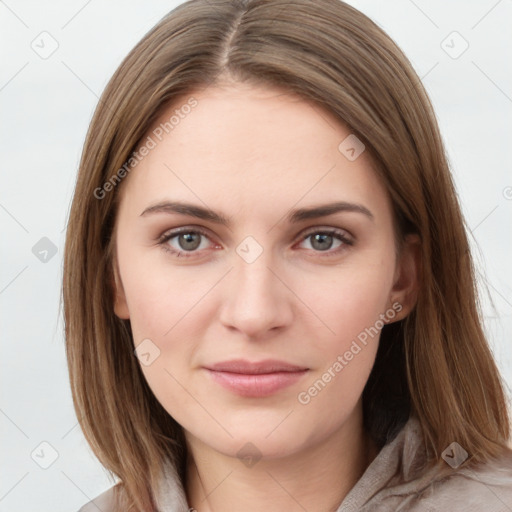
x: 251, y: 147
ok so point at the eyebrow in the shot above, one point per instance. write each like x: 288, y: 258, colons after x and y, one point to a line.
x: 293, y: 217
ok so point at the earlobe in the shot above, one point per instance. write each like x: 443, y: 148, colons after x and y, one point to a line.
x: 407, y: 276
x: 120, y: 304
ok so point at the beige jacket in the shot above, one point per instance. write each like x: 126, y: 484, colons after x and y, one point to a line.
x: 391, y: 483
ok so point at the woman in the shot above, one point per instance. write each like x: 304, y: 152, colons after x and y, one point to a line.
x: 269, y: 297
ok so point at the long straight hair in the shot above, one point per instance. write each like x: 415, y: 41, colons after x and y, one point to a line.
x: 435, y: 364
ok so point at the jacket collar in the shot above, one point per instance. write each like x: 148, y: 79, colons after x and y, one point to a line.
x: 403, y: 455
x: 398, y: 473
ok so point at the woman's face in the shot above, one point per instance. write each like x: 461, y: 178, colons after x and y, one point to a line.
x: 260, y: 322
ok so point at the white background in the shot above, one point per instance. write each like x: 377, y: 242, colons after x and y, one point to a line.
x: 46, y: 107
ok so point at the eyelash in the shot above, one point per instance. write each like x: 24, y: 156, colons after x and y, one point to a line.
x: 338, y: 234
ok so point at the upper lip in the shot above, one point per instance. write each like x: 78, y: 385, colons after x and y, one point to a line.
x: 254, y: 368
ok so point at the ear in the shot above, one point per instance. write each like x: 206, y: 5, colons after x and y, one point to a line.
x: 120, y: 305
x: 407, y: 276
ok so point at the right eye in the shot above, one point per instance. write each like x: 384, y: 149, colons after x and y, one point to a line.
x: 184, y: 241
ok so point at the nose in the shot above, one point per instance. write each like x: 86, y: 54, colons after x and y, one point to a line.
x: 256, y: 300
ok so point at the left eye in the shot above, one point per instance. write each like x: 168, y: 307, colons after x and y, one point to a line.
x: 188, y: 241
x: 322, y: 241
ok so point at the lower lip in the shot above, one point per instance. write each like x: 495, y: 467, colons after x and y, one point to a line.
x: 256, y: 385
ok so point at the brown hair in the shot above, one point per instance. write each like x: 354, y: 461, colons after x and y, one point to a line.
x: 435, y: 364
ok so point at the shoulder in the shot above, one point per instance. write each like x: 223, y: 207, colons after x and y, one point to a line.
x: 104, y: 502
x: 484, y: 487
x: 400, y: 479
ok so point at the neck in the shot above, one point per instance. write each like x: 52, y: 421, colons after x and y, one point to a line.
x: 317, y: 478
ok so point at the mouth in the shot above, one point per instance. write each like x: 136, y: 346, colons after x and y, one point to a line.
x: 255, y: 379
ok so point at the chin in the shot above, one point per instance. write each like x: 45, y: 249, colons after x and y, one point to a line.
x: 263, y: 436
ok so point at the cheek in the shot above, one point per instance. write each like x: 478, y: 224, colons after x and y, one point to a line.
x: 161, y: 298
x: 348, y: 300
x: 351, y: 306
x: 170, y: 309
x: 164, y: 317
x: 330, y: 397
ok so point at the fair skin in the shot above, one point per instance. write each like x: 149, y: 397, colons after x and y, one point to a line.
x: 253, y: 155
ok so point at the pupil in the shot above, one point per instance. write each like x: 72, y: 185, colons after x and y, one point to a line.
x: 189, y: 242
x: 321, y: 241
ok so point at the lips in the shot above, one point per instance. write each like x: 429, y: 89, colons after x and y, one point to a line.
x: 255, y: 379
x: 255, y: 368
